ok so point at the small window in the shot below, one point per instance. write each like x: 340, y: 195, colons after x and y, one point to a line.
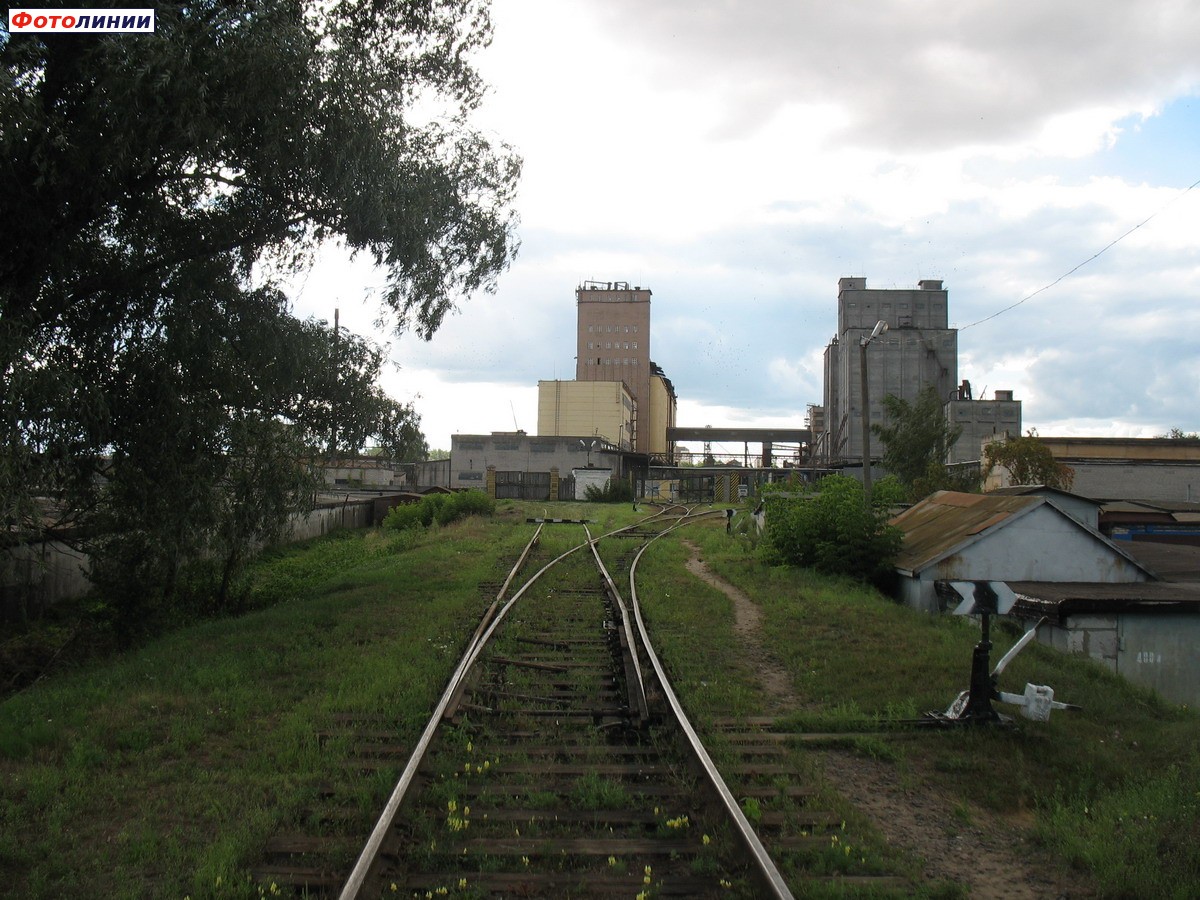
x: 590, y: 327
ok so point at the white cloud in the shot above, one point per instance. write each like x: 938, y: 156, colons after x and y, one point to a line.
x: 919, y: 75
x: 738, y: 159
x: 448, y: 408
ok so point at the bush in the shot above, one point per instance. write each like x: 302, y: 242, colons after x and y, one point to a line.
x: 613, y: 491
x: 403, y: 517
x: 833, y: 530
x: 440, y: 508
x: 469, y: 503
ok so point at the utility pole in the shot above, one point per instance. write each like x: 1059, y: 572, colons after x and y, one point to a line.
x: 337, y: 376
x: 880, y: 327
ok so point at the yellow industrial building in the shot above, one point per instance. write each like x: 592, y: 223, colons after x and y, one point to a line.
x: 619, y: 394
x: 608, y: 410
x: 601, y: 408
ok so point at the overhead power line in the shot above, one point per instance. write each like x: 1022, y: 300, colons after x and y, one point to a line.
x: 1095, y: 255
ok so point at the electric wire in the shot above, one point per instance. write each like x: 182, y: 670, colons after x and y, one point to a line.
x: 1094, y: 256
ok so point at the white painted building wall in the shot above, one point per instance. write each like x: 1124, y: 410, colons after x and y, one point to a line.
x: 597, y: 478
x: 1160, y: 651
x: 1043, y: 545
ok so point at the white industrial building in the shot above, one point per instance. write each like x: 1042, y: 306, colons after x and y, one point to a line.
x: 952, y: 536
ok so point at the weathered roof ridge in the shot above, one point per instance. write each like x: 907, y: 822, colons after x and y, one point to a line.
x: 948, y: 521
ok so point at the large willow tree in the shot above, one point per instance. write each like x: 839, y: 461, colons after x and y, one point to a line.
x: 152, y: 187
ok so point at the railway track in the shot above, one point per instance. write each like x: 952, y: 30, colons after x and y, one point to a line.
x: 559, y: 763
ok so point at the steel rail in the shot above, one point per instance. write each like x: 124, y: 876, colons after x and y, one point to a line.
x: 767, y: 868
x: 358, y: 875
x: 362, y: 866
x: 642, y: 708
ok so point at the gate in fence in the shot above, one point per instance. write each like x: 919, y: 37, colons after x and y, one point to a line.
x: 523, y: 486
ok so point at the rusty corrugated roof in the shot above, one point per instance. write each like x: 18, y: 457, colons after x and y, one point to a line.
x: 948, y: 520
x: 1025, y: 490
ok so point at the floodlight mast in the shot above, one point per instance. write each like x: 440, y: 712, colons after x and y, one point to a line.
x: 880, y: 327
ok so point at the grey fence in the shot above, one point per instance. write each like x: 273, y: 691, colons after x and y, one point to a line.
x: 523, y: 486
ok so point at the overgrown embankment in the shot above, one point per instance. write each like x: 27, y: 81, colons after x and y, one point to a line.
x: 163, y: 771
x: 1113, y: 791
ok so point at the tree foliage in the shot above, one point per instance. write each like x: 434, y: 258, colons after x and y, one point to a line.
x: 833, y: 530
x: 1029, y: 461
x: 917, y: 439
x: 241, y: 132
x: 154, y: 385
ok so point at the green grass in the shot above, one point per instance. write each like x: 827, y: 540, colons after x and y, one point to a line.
x: 162, y: 771
x: 1113, y: 791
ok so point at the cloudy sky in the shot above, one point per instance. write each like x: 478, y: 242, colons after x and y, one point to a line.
x: 739, y: 158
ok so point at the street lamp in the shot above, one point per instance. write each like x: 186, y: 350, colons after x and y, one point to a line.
x: 880, y: 327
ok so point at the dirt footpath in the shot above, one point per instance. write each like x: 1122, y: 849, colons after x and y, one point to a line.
x: 988, y: 855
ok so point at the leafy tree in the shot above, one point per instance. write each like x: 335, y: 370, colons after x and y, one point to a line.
x: 917, y: 439
x: 211, y: 430
x: 242, y: 133
x: 1178, y: 434
x: 833, y: 530
x: 1029, y: 461
x: 153, y: 383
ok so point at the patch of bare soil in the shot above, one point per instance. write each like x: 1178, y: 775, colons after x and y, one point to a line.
x: 747, y: 624
x: 988, y: 855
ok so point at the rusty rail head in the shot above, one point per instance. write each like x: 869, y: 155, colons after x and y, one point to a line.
x: 771, y: 876
x: 358, y: 875
x: 637, y: 690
